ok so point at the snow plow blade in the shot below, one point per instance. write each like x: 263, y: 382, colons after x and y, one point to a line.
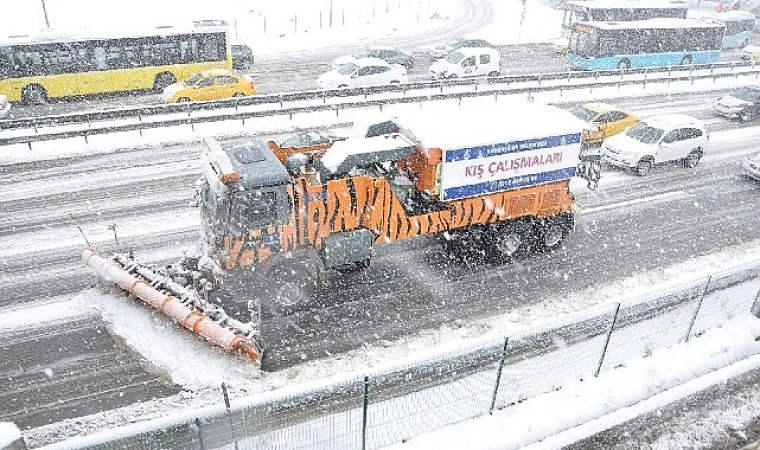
x: 110, y: 271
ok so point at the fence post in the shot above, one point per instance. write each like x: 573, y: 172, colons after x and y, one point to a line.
x: 229, y: 414
x: 201, y: 445
x: 365, y: 402
x: 755, y: 310
x: 699, y: 306
x: 498, y: 374
x: 607, y: 340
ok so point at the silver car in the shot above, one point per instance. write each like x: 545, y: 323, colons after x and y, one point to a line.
x: 750, y: 166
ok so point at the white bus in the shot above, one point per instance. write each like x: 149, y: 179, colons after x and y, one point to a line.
x: 739, y: 27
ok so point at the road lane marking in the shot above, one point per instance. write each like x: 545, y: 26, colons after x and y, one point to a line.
x: 633, y: 202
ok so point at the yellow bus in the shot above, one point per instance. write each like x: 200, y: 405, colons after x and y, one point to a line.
x: 35, y: 69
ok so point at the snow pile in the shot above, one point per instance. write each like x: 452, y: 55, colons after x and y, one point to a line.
x: 521, y: 22
x: 190, y: 361
x: 547, y: 416
x: 9, y: 433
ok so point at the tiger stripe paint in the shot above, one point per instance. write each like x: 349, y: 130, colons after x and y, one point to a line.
x: 368, y: 202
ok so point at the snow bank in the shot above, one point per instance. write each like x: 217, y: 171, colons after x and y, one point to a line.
x: 690, y: 367
x: 9, y: 433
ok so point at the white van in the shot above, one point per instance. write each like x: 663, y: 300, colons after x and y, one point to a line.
x: 467, y: 62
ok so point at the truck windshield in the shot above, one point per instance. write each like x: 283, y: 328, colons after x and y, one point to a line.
x: 256, y: 209
x: 644, y: 133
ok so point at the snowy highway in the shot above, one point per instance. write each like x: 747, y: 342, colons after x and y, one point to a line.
x: 147, y: 193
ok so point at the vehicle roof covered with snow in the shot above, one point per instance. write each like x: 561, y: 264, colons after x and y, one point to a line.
x: 255, y: 162
x: 658, y: 22
x: 453, y: 127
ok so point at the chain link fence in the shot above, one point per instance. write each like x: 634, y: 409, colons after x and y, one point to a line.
x: 368, y: 412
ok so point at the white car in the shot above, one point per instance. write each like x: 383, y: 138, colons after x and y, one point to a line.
x: 658, y: 139
x: 363, y: 72
x: 5, y: 106
x: 750, y: 166
x: 751, y: 52
x: 467, y: 62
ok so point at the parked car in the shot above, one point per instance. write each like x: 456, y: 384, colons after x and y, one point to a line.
x: 750, y: 166
x: 751, y: 53
x: 311, y: 138
x: 442, y: 50
x: 242, y: 57
x: 388, y: 55
x: 658, y: 139
x: 5, y: 106
x: 604, y: 120
x: 742, y: 103
x: 467, y: 62
x: 361, y: 73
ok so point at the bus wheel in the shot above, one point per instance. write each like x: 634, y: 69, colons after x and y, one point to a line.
x: 239, y: 94
x: 34, y: 94
x: 183, y: 100
x: 162, y: 81
x: 624, y: 64
x: 686, y: 60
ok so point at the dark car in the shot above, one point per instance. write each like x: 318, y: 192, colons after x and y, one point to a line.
x: 389, y: 55
x: 242, y: 57
x: 742, y: 103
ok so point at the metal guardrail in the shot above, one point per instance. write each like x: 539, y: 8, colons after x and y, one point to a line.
x: 148, y: 111
x: 242, y: 115
x: 391, y: 405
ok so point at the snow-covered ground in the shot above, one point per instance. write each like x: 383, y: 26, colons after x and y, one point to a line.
x: 666, y: 375
x: 267, y: 27
x: 8, y: 434
x: 141, y: 327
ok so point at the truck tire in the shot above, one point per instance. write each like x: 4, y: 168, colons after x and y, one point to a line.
x: 291, y: 289
x: 551, y: 235
x: 506, y: 241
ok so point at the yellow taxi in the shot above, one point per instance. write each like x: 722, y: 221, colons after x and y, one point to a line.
x: 604, y: 120
x: 211, y: 84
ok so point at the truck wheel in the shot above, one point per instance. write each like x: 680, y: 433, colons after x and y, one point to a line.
x: 506, y: 241
x: 551, y: 236
x: 290, y: 290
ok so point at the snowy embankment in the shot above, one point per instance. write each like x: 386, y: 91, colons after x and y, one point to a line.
x: 141, y: 328
x: 9, y: 433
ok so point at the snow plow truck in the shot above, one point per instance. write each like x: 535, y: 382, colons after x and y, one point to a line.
x: 277, y: 222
